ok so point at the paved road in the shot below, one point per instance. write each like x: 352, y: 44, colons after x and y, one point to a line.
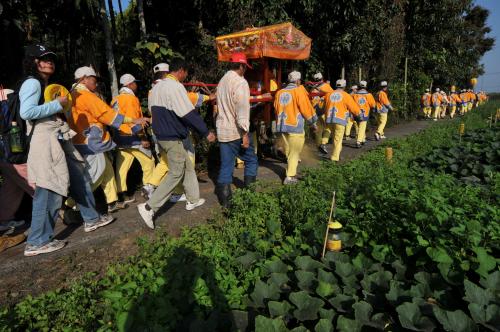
x: 93, y: 251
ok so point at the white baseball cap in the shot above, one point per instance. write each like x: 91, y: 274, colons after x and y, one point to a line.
x: 437, y: 90
x: 294, y: 76
x: 126, y: 79
x: 318, y: 76
x: 161, y: 67
x: 84, y: 72
x: 383, y: 83
x: 341, y: 83
x: 354, y: 87
x: 363, y: 84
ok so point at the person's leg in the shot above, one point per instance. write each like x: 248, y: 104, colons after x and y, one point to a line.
x: 251, y: 161
x: 319, y: 133
x: 228, y: 151
x: 327, y: 133
x: 338, y: 135
x: 46, y: 204
x: 361, y: 132
x: 176, y: 156
x: 108, y: 182
x: 296, y: 144
x: 147, y: 164
x: 190, y: 182
x: 81, y: 191
x: 160, y: 170
x: 348, y: 128
x: 11, y: 194
x: 124, y: 160
x: 382, y: 123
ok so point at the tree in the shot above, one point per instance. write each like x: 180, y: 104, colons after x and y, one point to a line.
x: 110, y: 58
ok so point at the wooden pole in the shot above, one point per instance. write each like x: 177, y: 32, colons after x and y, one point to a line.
x: 359, y: 74
x: 406, y: 81
x: 343, y: 73
x: 329, y: 219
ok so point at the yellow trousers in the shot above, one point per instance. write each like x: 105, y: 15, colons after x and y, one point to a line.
x: 160, y: 171
x: 382, y: 121
x: 427, y: 111
x: 293, y: 144
x: 361, y: 137
x: 348, y: 127
x: 107, y: 182
x: 124, y: 160
x: 469, y: 106
x: 463, y: 109
x: 323, y: 134
x: 453, y: 109
x: 443, y: 112
x: 436, y: 112
x: 338, y: 131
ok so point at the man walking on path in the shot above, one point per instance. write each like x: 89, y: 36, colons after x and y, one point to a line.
x: 233, y: 126
x: 172, y: 116
x: 383, y: 108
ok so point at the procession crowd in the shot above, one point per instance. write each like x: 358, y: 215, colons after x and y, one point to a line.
x: 59, y: 146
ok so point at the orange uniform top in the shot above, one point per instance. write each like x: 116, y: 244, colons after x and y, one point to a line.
x: 465, y: 97
x: 128, y: 105
x: 319, y: 101
x: 366, y: 103
x: 426, y: 100
x: 292, y: 107
x: 437, y: 99
x: 455, y: 99
x: 339, y: 106
x: 472, y: 96
x: 197, y: 99
x: 383, y: 102
x: 89, y: 116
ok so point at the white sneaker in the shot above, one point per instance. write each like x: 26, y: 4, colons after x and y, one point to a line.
x: 191, y: 206
x: 52, y: 246
x: 146, y: 215
x: 147, y: 190
x: 177, y: 198
x: 377, y: 136
x: 382, y: 136
x: 290, y: 180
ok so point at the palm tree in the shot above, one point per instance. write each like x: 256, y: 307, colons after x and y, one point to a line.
x: 142, y: 21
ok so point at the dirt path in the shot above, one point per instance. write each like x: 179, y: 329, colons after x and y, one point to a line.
x: 93, y: 252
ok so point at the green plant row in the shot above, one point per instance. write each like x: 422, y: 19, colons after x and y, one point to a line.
x: 420, y: 253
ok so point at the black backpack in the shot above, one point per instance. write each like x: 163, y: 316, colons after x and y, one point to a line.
x: 10, y: 112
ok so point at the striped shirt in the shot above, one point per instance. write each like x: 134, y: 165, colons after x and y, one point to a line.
x: 233, y: 102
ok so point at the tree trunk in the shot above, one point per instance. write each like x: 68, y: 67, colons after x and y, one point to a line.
x: 142, y: 21
x: 112, y: 17
x: 110, y: 58
x: 120, y: 8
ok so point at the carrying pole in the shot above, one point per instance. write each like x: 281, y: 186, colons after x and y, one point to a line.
x: 329, y: 219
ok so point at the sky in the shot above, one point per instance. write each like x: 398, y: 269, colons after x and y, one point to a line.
x: 490, y: 81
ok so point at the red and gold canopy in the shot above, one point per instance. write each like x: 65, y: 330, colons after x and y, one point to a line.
x: 281, y: 41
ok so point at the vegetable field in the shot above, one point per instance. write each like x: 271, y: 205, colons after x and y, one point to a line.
x: 421, y: 252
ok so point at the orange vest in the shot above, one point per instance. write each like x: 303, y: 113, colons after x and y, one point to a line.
x: 339, y: 105
x: 366, y: 103
x: 89, y: 116
x: 383, y: 103
x: 292, y: 107
x: 197, y: 99
x: 437, y: 99
x: 426, y: 100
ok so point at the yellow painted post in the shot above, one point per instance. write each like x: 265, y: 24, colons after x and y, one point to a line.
x: 461, y: 131
x: 388, y: 154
